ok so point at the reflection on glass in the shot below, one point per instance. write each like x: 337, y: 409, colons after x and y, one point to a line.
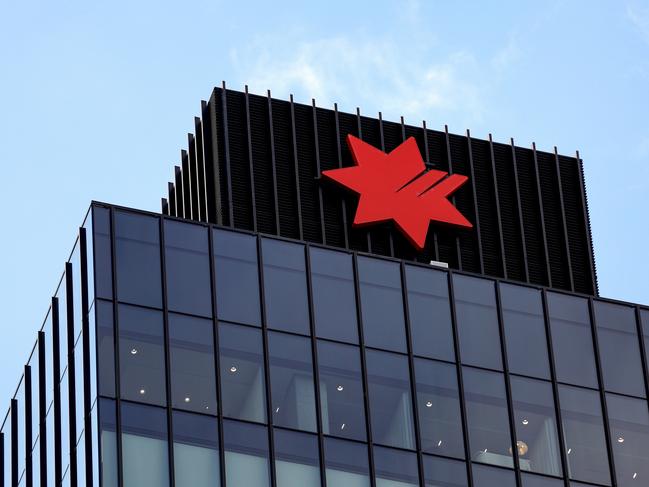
x: 145, y: 459
x: 105, y: 347
x: 334, y: 297
x: 395, y: 468
x: 187, y: 268
x: 246, y: 454
x: 443, y: 472
x: 297, y: 463
x: 193, y: 381
x: 243, y: 388
x: 487, y: 417
x: 141, y: 355
x: 536, y: 426
x: 572, y: 340
x: 438, y: 405
x: 619, y: 349
x: 196, y: 450
x: 108, y: 438
x: 531, y: 480
x: 103, y: 263
x: 527, y: 349
x: 382, y: 304
x: 477, y: 321
x: 430, y: 313
x: 390, y: 400
x: 285, y: 287
x: 237, y: 277
x: 341, y: 390
x: 581, y: 414
x: 346, y: 463
x: 484, y: 476
x: 629, y: 422
x: 291, y: 380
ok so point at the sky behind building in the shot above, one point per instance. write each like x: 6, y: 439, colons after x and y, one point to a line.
x: 96, y: 102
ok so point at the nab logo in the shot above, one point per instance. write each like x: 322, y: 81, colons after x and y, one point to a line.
x: 397, y: 187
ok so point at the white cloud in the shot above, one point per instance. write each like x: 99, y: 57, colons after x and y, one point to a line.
x: 639, y: 17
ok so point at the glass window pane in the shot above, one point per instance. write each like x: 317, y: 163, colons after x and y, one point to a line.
x: 246, y: 454
x: 487, y: 417
x: 291, y: 379
x: 103, y: 263
x: 484, y: 476
x: 438, y: 405
x: 142, y: 355
x: 137, y: 248
x: 243, y: 389
x: 644, y: 321
x: 572, y: 340
x: 341, y: 390
x: 531, y: 480
x: 105, y: 347
x: 527, y: 346
x: 629, y: 422
x: 395, y: 468
x: 188, y: 268
x: 192, y: 364
x: 346, y: 463
x: 285, y: 287
x: 382, y: 304
x: 536, y: 426
x: 429, y: 309
x: 145, y: 459
x: 443, y: 472
x: 237, y: 277
x: 196, y: 450
x: 390, y: 402
x: 334, y: 295
x: 297, y: 462
x: 108, y: 435
x: 477, y: 321
x: 581, y: 414
x: 619, y: 349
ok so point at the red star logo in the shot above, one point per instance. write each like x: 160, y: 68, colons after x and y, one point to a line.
x: 397, y: 187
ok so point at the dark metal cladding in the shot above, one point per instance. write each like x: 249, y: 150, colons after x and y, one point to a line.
x: 262, y: 159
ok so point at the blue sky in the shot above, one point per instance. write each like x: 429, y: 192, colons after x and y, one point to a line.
x: 96, y: 101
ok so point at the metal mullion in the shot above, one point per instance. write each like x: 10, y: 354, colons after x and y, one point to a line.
x: 85, y: 331
x: 72, y: 387
x: 602, y: 392
x: 2, y: 460
x: 508, y: 386
x: 542, y: 215
x: 447, y: 141
x: 340, y: 165
x: 564, y: 226
x: 297, y: 174
x: 193, y: 176
x: 425, y: 131
x: 315, y: 367
x: 264, y: 336
x: 164, y: 206
x: 555, y: 389
x: 42, y: 410
x: 460, y: 380
x: 226, y: 148
x: 501, y: 241
x: 366, y: 393
x: 391, y: 239
x: 411, y: 367
x: 318, y: 171
x: 180, y: 197
x: 171, y: 190
x: 643, y: 349
x: 56, y: 380
x: 584, y: 205
x: 217, y: 357
x: 521, y: 225
x: 200, y: 161
x: 14, y: 443
x: 476, y: 208
x: 167, y: 345
x: 273, y: 162
x: 360, y: 136
x: 29, y: 471
x: 253, y: 200
x: 187, y: 187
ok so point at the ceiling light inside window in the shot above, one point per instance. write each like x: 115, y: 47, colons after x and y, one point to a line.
x: 133, y: 351
x: 233, y: 369
x: 340, y: 388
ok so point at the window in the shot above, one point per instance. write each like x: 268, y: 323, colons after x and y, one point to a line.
x: 103, y: 263
x: 527, y: 349
x: 297, y: 463
x: 444, y: 472
x: 108, y: 438
x: 346, y: 463
x: 438, y: 406
x: 145, y: 459
x: 137, y: 248
x: 187, y: 268
x: 334, y: 295
x: 382, y: 304
x: 484, y: 476
x: 142, y: 355
x: 531, y: 480
x: 246, y: 454
x: 536, y: 426
x: 644, y: 321
x: 572, y: 340
x: 237, y: 277
x: 192, y: 364
x: 105, y: 347
x: 430, y: 313
x: 196, y: 450
x: 619, y: 349
x: 477, y: 321
x: 291, y: 379
x: 583, y: 429
x: 395, y: 468
x: 243, y: 389
x: 390, y: 400
x: 341, y: 390
x: 487, y: 417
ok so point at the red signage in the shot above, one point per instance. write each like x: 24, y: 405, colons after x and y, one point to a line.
x: 397, y: 187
